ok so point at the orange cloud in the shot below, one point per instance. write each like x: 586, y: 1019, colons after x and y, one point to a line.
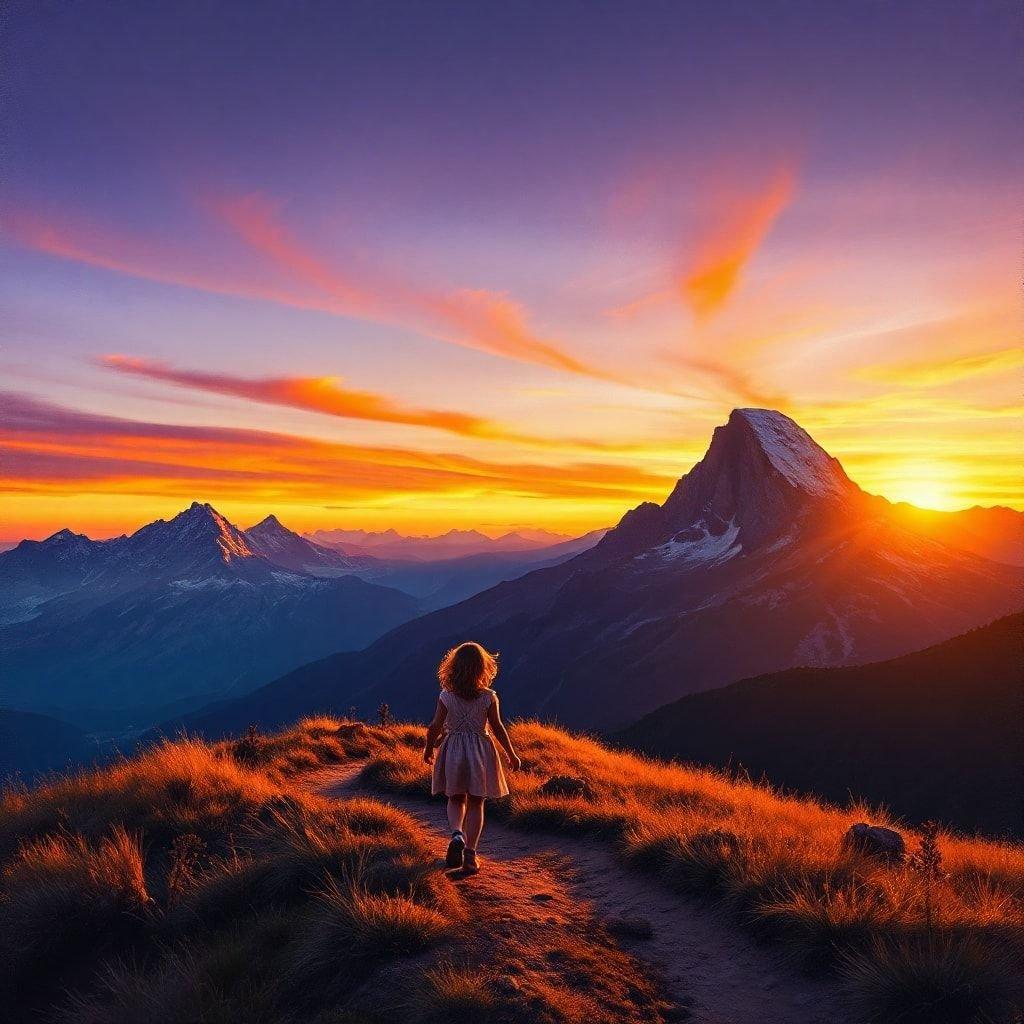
x: 53, y: 449
x: 313, y: 394
x: 720, y: 257
x: 327, y: 395
x: 732, y: 382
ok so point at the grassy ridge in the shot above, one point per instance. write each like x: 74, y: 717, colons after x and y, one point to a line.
x: 200, y: 882
x: 944, y: 944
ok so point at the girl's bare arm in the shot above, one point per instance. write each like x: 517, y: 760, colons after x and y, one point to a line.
x: 434, y: 731
x: 501, y: 734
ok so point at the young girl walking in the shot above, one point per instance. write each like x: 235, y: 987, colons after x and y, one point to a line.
x: 468, y: 768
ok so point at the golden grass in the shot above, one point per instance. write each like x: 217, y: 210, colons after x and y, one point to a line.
x: 778, y: 863
x: 454, y: 994
x: 202, y: 882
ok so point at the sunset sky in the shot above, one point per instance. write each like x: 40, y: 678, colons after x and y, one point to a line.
x: 433, y: 265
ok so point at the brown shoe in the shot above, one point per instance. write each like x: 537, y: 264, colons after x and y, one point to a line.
x: 470, y: 862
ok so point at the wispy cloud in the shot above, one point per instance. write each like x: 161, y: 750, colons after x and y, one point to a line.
x: 474, y: 318
x: 485, y: 320
x: 929, y: 373
x: 719, y: 257
x: 329, y: 396
x: 53, y: 449
x: 326, y: 395
x: 728, y: 381
x: 294, y: 275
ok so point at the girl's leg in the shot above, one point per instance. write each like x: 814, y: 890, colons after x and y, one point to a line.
x: 474, y: 821
x: 456, y: 811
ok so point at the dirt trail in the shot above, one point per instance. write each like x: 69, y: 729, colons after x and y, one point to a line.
x: 711, y: 967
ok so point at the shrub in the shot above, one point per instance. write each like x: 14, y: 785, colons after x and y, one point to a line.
x: 350, y: 932
x: 934, y: 979
x: 186, y: 851
x: 455, y: 994
x: 63, y: 900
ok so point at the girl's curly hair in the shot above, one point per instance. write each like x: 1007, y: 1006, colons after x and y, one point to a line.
x: 467, y: 670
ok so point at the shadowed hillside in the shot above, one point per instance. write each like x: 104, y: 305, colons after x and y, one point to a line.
x: 32, y: 745
x: 937, y: 734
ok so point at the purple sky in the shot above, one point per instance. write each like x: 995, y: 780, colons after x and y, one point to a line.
x: 588, y: 223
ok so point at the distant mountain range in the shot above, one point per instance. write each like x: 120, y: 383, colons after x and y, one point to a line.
x: 450, y: 580
x: 277, y: 544
x: 996, y: 533
x: 454, y: 544
x: 118, y: 633
x: 125, y: 631
x: 935, y: 734
x: 765, y: 556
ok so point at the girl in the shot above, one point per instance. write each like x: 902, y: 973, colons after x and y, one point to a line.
x: 468, y: 769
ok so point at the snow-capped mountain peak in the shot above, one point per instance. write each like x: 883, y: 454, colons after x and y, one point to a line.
x: 271, y: 522
x: 762, y: 474
x: 201, y: 523
x: 197, y: 539
x: 794, y: 453
x: 271, y: 539
x: 65, y: 540
x: 269, y: 531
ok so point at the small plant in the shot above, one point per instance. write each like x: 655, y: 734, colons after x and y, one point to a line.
x: 384, y: 714
x: 247, y: 749
x: 927, y: 862
x: 351, y: 714
x: 186, y: 852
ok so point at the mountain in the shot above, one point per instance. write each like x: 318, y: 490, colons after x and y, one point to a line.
x: 765, y: 556
x: 435, y: 583
x: 996, y: 533
x: 935, y: 734
x: 181, y: 611
x: 35, y: 570
x: 32, y: 745
x: 453, y: 544
x: 278, y: 544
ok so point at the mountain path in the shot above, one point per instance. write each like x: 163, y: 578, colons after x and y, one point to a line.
x: 713, y: 971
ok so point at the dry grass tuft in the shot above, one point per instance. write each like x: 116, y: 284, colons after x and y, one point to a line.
x: 938, y: 979
x: 61, y: 898
x: 451, y: 994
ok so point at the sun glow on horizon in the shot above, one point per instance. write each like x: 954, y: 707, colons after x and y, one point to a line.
x: 925, y: 485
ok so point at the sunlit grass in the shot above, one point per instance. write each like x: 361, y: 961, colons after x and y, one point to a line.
x: 778, y: 863
x: 199, y: 882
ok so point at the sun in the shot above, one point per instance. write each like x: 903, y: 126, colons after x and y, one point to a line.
x: 925, y: 485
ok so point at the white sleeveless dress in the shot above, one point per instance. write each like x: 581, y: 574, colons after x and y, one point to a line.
x: 468, y: 760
